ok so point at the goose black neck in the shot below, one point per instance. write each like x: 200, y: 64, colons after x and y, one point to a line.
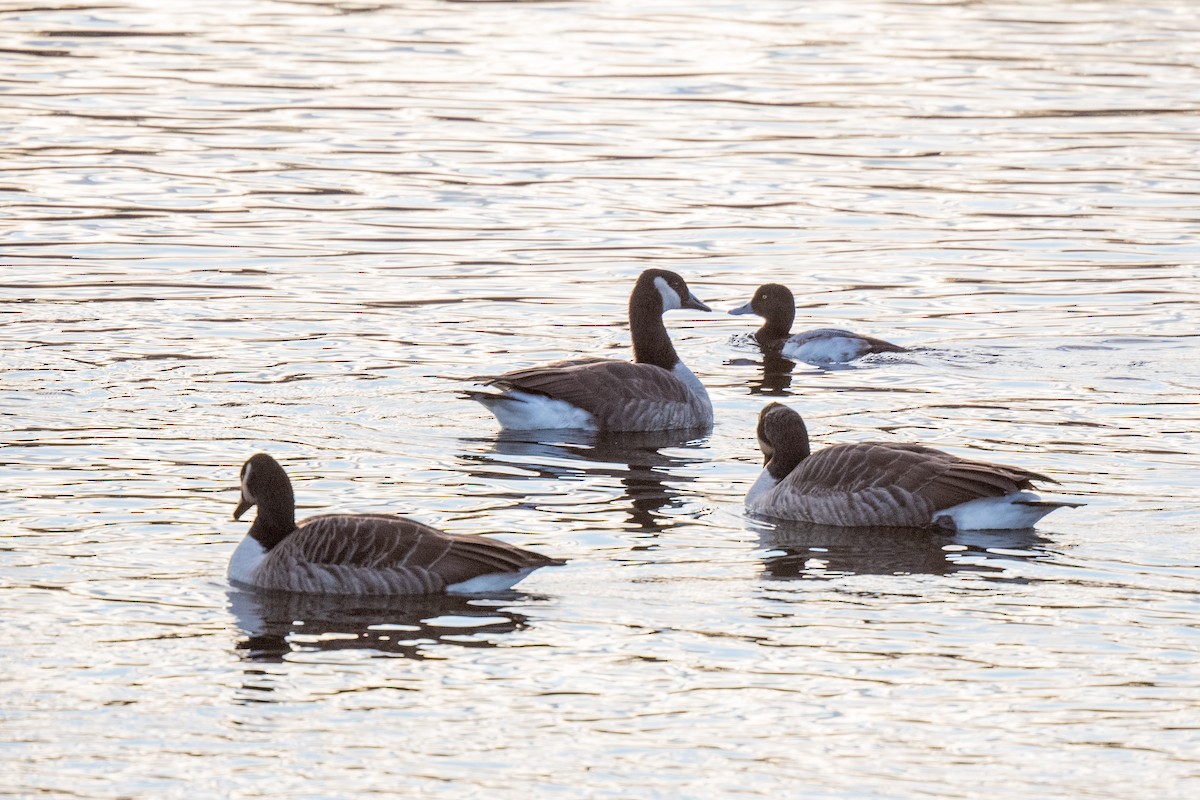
x: 782, y: 464
x: 795, y: 449
x: 274, y: 520
x: 777, y: 326
x: 651, y: 344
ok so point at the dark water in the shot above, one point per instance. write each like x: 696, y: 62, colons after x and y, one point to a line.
x: 301, y: 226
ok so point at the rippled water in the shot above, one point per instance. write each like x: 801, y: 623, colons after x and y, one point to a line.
x: 303, y: 226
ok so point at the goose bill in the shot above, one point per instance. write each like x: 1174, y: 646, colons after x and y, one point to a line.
x: 243, y: 506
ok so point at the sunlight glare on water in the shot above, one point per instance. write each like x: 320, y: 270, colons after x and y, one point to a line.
x: 305, y: 227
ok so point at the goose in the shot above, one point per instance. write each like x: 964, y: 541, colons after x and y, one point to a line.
x: 776, y: 305
x: 361, y: 554
x: 886, y: 484
x: 654, y: 392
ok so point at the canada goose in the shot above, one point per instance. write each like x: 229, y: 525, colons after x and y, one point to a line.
x: 655, y: 392
x: 361, y: 554
x: 886, y: 484
x: 776, y: 305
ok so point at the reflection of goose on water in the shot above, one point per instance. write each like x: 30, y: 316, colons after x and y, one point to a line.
x: 776, y: 305
x: 361, y: 554
x: 805, y: 550
x: 637, y: 461
x: 886, y: 484
x: 275, y: 624
x: 654, y: 392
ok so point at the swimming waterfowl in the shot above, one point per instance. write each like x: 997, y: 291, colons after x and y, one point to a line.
x: 776, y: 305
x: 361, y: 554
x: 886, y: 484
x: 654, y: 392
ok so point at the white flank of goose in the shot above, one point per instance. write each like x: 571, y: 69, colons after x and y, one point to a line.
x: 776, y: 305
x: 886, y: 484
x: 361, y: 554
x: 654, y: 392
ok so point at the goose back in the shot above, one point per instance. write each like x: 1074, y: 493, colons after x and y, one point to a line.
x: 379, y: 554
x: 619, y: 395
x: 883, y: 483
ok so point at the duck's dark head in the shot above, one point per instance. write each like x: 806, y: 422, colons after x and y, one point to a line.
x: 775, y: 304
x: 666, y: 289
x: 783, y: 439
x: 266, y: 485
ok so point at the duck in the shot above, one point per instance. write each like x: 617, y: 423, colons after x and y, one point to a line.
x: 361, y: 554
x: 775, y: 303
x: 875, y: 484
x: 654, y: 392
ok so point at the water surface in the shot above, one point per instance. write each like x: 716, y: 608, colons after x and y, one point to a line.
x: 303, y: 227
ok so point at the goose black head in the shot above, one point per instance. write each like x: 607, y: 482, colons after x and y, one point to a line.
x: 668, y: 289
x: 782, y: 437
x: 264, y: 484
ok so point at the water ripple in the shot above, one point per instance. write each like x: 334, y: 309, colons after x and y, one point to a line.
x: 305, y: 227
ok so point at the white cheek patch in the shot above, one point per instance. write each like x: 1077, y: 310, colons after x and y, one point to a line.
x: 671, y: 300
x: 767, y: 450
x: 246, y: 495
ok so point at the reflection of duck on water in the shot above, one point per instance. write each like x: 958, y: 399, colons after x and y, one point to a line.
x: 804, y: 550
x: 276, y: 624
x: 776, y: 377
x: 650, y: 478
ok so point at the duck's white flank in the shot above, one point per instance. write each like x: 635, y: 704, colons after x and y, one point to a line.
x: 824, y: 346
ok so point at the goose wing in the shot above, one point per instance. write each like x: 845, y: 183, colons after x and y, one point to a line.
x: 383, y: 554
x: 612, y: 391
x: 894, y: 484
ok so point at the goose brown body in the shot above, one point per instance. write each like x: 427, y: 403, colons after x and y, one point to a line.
x: 359, y: 554
x: 883, y: 483
x: 368, y: 554
x: 654, y: 392
x: 619, y: 395
x: 876, y: 483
